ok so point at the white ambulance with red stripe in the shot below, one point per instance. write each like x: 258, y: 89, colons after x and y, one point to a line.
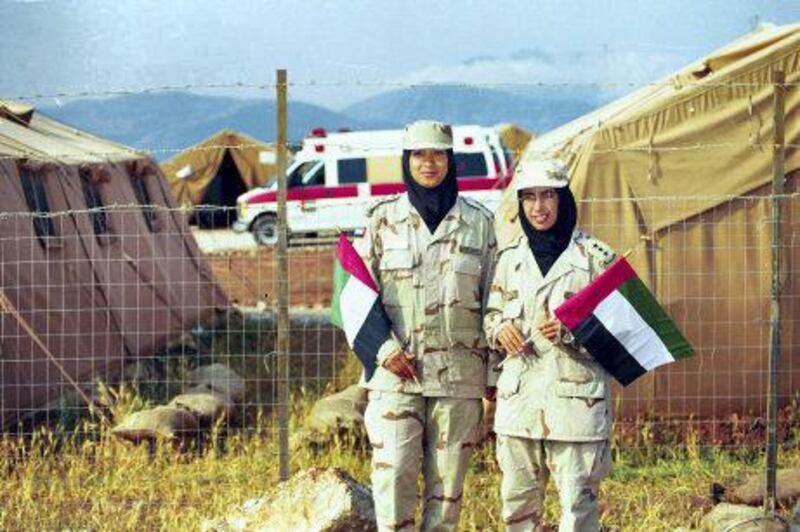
x: 336, y: 176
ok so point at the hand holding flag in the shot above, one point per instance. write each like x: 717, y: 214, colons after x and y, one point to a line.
x: 402, y: 365
x: 621, y: 324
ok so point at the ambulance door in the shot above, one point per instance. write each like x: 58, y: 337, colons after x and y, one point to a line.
x: 344, y: 207
x: 304, y: 185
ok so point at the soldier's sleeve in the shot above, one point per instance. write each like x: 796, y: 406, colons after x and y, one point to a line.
x: 489, y: 263
x: 493, y: 311
x: 370, y: 250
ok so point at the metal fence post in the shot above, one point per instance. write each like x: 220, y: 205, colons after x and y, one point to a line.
x: 770, y: 496
x: 282, y: 282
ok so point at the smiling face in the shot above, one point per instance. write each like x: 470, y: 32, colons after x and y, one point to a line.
x: 428, y: 167
x: 540, y: 205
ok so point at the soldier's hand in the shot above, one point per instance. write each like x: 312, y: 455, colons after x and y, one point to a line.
x: 550, y: 329
x: 402, y: 365
x: 511, y: 339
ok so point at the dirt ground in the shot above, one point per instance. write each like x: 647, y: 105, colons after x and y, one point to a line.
x: 248, y: 276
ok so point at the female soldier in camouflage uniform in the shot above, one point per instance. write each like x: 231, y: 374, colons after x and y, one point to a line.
x: 553, y: 400
x: 430, y: 251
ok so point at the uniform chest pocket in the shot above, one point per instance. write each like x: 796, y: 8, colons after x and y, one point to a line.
x: 466, y: 281
x: 590, y: 390
x: 467, y: 265
x: 508, y: 383
x: 397, y: 274
x: 577, y: 370
x: 396, y: 259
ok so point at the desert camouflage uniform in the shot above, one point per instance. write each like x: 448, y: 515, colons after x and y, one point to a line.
x: 432, y: 287
x: 554, y: 402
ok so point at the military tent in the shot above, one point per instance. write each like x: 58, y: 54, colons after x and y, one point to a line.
x: 679, y: 174
x: 216, y: 171
x: 515, y: 138
x: 96, y: 266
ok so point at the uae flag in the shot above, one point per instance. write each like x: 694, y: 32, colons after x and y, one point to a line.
x: 621, y: 324
x: 356, y: 306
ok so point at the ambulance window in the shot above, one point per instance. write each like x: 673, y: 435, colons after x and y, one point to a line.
x: 470, y: 165
x: 352, y: 171
x: 302, y: 174
x: 315, y: 178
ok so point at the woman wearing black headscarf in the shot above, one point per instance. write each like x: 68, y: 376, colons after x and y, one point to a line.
x: 430, y: 251
x: 553, y: 400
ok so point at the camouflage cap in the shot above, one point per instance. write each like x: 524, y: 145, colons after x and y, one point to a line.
x: 550, y: 173
x: 427, y: 135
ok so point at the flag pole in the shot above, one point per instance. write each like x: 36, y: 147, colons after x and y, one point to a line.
x: 770, y: 497
x: 282, y: 281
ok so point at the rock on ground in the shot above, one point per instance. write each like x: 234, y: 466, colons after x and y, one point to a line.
x: 739, y: 518
x: 207, y: 407
x: 220, y: 379
x: 340, y: 415
x: 314, y: 500
x: 751, y: 492
x: 160, y: 423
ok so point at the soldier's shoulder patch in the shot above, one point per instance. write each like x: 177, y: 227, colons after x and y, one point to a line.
x: 480, y: 207
x: 599, y: 250
x: 381, y: 201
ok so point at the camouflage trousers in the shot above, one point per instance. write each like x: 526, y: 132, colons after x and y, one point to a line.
x: 411, y: 432
x: 577, y: 468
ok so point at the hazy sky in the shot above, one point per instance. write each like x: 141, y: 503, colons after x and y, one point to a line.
x: 72, y: 46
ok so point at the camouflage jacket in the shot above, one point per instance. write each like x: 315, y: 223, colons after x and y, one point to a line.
x: 554, y: 391
x: 433, y: 288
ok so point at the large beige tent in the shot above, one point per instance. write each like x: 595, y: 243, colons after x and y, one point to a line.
x: 95, y: 267
x: 217, y: 170
x: 679, y: 174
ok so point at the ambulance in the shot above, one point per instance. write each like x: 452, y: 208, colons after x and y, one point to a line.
x: 336, y: 175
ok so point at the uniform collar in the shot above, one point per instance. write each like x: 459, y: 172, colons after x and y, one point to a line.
x: 572, y: 257
x: 452, y: 220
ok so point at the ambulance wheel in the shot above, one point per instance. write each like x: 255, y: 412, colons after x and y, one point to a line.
x: 265, y: 230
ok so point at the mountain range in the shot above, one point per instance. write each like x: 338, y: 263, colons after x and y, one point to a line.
x: 166, y: 123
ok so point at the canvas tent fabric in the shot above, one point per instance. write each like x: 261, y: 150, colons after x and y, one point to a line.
x: 95, y: 290
x: 218, y: 169
x: 679, y: 174
x: 515, y: 138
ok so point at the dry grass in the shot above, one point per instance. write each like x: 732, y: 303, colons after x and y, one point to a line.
x: 98, y: 483
x: 85, y: 479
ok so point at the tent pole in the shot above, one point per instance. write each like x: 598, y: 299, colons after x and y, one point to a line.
x: 9, y: 307
x: 283, y: 283
x: 770, y: 497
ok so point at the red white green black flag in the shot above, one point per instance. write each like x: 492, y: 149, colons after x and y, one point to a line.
x: 618, y: 320
x: 356, y: 306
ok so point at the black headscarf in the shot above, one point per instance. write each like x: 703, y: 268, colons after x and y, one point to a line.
x: 548, y: 245
x: 432, y: 204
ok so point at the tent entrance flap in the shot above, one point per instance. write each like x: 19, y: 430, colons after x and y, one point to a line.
x: 218, y: 205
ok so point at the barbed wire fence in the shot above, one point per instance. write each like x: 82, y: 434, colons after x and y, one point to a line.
x: 110, y: 309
